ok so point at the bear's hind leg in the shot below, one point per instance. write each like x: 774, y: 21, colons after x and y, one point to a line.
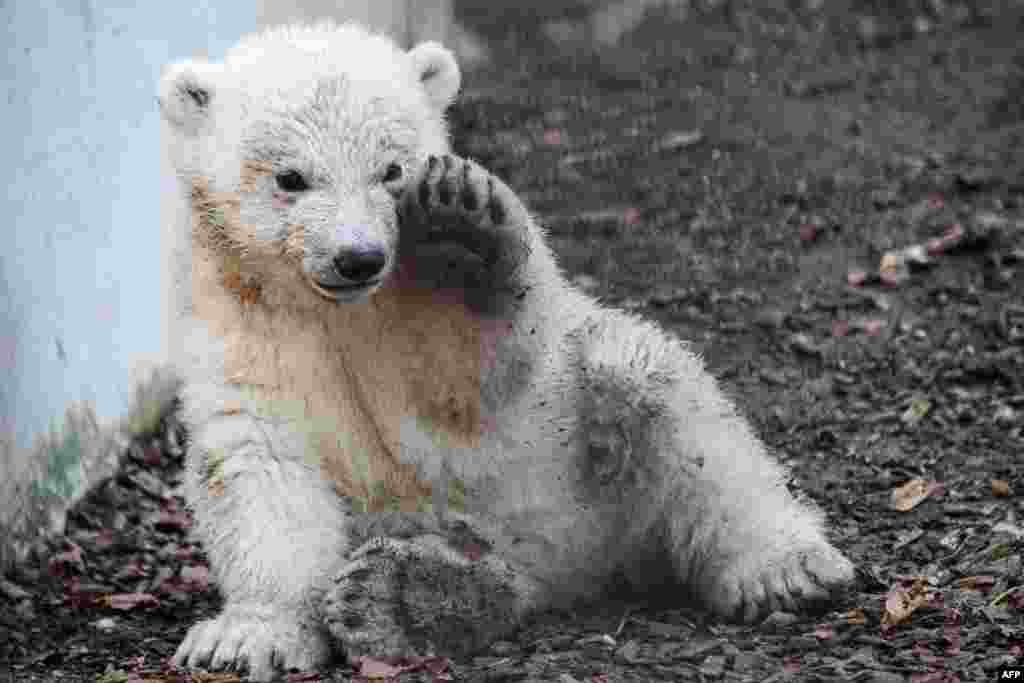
x: 737, y: 536
x: 702, y: 481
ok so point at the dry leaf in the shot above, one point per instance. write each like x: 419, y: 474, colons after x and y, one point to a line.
x: 910, y: 495
x: 892, y: 269
x: 872, y: 326
x: 553, y: 136
x: 856, y: 278
x: 389, y: 668
x: 953, y: 235
x: 1001, y: 488
x: 916, y: 411
x: 809, y: 231
x: 982, y: 583
x: 900, y: 604
x: 67, y: 561
x: 856, y: 616
x: 173, y: 521
x: 197, y: 575
x: 376, y: 669
x: 824, y: 632
x: 126, y: 601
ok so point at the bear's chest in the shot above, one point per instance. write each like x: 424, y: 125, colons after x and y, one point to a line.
x: 387, y: 396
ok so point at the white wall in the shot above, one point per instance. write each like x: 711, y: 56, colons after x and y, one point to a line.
x: 79, y: 268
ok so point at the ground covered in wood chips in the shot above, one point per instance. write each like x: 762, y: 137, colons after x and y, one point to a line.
x: 828, y: 200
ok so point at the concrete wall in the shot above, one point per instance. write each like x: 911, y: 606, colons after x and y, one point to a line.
x: 79, y: 295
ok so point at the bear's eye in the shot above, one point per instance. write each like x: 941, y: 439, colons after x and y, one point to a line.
x: 392, y: 173
x: 291, y: 181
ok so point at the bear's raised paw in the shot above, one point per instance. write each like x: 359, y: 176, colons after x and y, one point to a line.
x: 455, y: 200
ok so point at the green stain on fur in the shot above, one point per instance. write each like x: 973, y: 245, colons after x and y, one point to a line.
x: 215, y: 217
x: 215, y: 465
x: 456, y: 495
x: 380, y: 499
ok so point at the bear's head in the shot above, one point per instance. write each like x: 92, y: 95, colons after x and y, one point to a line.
x: 296, y: 148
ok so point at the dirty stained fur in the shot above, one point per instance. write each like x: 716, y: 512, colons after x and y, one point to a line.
x: 408, y: 431
x: 427, y: 351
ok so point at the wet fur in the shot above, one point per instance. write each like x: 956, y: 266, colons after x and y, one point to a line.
x: 578, y: 441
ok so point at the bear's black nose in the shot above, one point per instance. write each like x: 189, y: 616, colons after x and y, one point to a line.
x: 359, y: 264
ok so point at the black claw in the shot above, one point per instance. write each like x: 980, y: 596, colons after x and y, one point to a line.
x: 496, y: 208
x: 425, y: 187
x: 424, y: 194
x: 361, y: 574
x: 444, y: 192
x: 376, y: 548
x: 444, y: 187
x: 468, y: 197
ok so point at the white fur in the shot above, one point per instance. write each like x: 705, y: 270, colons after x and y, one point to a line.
x: 296, y: 402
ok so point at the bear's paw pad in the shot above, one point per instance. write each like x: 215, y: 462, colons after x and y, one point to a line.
x: 400, y: 598
x: 457, y: 199
x: 450, y: 187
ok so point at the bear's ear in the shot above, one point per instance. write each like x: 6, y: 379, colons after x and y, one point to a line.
x: 437, y: 70
x: 186, y: 90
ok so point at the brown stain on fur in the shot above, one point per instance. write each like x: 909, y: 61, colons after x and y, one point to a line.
x: 437, y: 342
x: 216, y: 227
x: 252, y: 169
x: 348, y: 376
x: 293, y: 242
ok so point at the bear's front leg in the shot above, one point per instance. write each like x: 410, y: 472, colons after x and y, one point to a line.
x: 274, y: 534
x: 432, y: 593
x: 455, y: 202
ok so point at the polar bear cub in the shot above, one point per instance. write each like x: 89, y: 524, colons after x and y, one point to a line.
x: 407, y: 429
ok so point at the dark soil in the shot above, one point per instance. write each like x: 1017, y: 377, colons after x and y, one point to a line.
x: 742, y: 177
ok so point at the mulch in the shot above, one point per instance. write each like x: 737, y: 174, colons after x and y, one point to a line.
x: 828, y: 200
